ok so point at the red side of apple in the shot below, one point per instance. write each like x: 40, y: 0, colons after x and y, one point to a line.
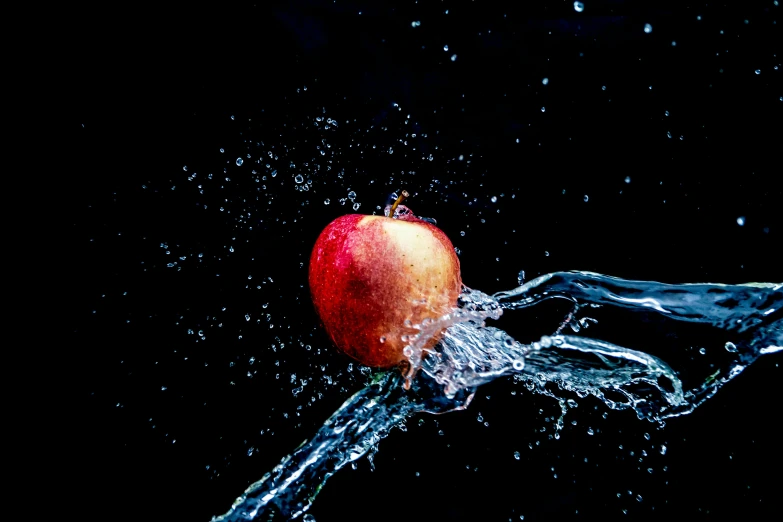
x: 370, y: 274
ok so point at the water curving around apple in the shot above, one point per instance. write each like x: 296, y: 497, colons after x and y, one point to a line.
x: 721, y: 330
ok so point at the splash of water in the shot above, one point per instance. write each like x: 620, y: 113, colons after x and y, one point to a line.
x: 745, y: 318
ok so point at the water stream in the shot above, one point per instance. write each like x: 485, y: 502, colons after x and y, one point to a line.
x: 712, y: 333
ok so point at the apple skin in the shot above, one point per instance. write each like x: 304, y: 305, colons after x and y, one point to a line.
x: 369, y: 274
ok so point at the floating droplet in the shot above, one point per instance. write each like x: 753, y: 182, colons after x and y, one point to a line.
x: 579, y: 7
x: 647, y: 28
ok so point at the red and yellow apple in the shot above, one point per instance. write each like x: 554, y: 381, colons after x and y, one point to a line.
x: 373, y: 277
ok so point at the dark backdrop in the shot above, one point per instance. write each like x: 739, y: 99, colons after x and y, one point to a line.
x: 636, y: 158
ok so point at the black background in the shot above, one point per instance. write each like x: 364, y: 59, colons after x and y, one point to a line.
x: 153, y: 95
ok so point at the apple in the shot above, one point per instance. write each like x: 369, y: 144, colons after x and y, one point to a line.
x: 374, y: 277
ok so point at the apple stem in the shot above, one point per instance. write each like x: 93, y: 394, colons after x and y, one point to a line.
x: 404, y: 194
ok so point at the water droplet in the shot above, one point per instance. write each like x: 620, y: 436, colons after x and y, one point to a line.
x: 351, y: 195
x: 758, y: 71
x: 647, y: 28
x: 702, y: 351
x: 545, y: 81
x: 453, y: 57
x: 627, y: 179
x: 516, y: 455
x: 239, y: 162
x: 415, y: 23
x: 326, y: 201
x: 446, y: 48
x: 663, y: 449
x: 730, y: 347
x: 356, y: 206
x: 579, y: 7
x: 518, y: 364
x: 521, y: 277
x: 587, y: 198
x: 543, y: 109
x: 299, y: 178
x: 741, y: 221
x: 494, y: 199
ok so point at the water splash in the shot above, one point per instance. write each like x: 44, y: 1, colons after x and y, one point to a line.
x: 742, y: 321
x: 745, y: 318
